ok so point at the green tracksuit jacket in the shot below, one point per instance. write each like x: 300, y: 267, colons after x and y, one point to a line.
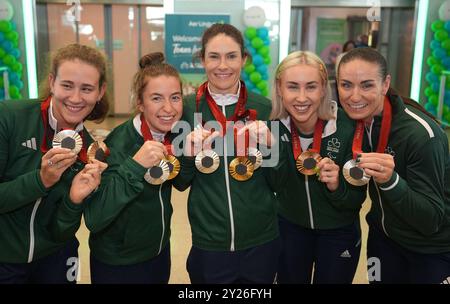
x: 413, y: 208
x: 225, y: 214
x: 34, y: 221
x: 306, y: 201
x: 129, y: 219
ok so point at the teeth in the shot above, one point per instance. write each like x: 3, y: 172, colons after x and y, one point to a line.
x: 75, y: 109
x: 166, y: 118
x: 302, y: 108
x: 358, y: 106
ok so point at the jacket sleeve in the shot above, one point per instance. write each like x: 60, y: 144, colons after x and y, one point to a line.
x: 187, y: 173
x: 23, y: 189
x: 420, y: 200
x: 121, y: 183
x: 67, y: 219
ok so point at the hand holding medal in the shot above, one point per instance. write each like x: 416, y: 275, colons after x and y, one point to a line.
x: 329, y: 173
x: 378, y: 165
x: 206, y: 161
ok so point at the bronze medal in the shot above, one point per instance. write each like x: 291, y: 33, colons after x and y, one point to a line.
x: 255, y: 156
x: 355, y: 175
x: 241, y: 168
x: 174, y: 166
x: 157, y: 174
x: 307, y: 162
x: 68, y: 139
x: 207, y: 161
x: 97, y: 150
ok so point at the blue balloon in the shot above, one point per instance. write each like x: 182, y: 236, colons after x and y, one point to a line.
x: 262, y: 32
x: 2, y: 36
x: 244, y: 76
x: 15, y: 53
x: 430, y: 108
x: 249, y: 85
x: 265, y: 76
x: 13, y: 76
x: 13, y: 25
x: 262, y: 69
x: 252, y: 51
x: 446, y: 62
x: 434, y: 44
x: 439, y: 53
x: 256, y: 90
x: 431, y: 77
x: 247, y: 43
x: 447, y: 25
x: 7, y: 46
x: 19, y: 85
x: 257, y: 59
x: 435, y: 86
x: 266, y: 42
x: 2, y: 94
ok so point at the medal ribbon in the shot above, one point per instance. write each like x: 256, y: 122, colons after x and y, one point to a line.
x: 317, y: 140
x: 147, y: 134
x: 45, y: 105
x: 386, y: 121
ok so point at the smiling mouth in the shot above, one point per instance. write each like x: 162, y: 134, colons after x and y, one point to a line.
x: 75, y: 109
x: 167, y: 118
x: 227, y: 75
x: 358, y: 106
x: 302, y: 108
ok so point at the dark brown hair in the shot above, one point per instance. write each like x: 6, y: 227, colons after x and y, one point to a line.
x: 226, y: 29
x: 88, y: 55
x: 151, y: 65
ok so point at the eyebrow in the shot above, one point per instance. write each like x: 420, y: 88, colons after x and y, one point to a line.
x: 296, y: 83
x: 217, y: 53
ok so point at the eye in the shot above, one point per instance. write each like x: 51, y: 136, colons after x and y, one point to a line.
x: 156, y: 98
x: 213, y: 56
x: 367, y: 86
x: 87, y: 89
x: 232, y: 56
x: 176, y: 98
x: 345, y: 85
x: 311, y: 87
x: 66, y: 86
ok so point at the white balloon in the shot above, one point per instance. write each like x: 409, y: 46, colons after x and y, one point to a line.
x: 6, y: 10
x: 444, y: 11
x: 254, y: 16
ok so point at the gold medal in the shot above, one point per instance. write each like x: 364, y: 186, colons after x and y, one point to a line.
x: 355, y: 175
x: 68, y: 139
x: 255, y: 156
x: 241, y: 168
x: 207, y: 161
x: 174, y: 166
x: 157, y: 174
x: 97, y: 150
x: 307, y: 162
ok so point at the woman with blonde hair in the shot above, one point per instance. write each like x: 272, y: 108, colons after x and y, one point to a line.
x: 318, y: 210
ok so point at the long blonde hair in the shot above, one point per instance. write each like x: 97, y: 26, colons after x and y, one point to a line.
x: 325, y: 110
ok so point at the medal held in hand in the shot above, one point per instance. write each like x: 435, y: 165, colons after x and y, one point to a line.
x: 174, y: 166
x: 306, y: 162
x: 241, y: 167
x: 352, y: 173
x: 157, y: 174
x: 207, y: 161
x: 97, y: 150
x: 255, y: 156
x: 168, y: 167
x: 68, y: 139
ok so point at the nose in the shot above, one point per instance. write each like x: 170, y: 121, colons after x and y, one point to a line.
x: 76, y: 95
x: 355, y: 95
x: 223, y: 63
x: 167, y: 106
x: 301, y: 95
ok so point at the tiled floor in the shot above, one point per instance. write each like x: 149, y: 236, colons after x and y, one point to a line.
x: 181, y: 234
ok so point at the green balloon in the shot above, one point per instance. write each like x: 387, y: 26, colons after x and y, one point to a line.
x: 428, y: 91
x: 250, y: 33
x: 267, y: 60
x: 12, y: 36
x: 432, y: 60
x: 249, y: 69
x: 437, y: 69
x: 257, y: 42
x: 437, y: 25
x: 261, y: 85
x: 255, y: 77
x: 9, y: 60
x: 445, y: 110
x: 15, y: 43
x: 441, y: 35
x: 14, y: 91
x: 447, y: 117
x: 17, y: 67
x: 446, y: 44
x: 265, y: 92
x: 2, y: 53
x: 264, y: 51
x: 1, y: 82
x: 433, y: 99
x: 5, y: 26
